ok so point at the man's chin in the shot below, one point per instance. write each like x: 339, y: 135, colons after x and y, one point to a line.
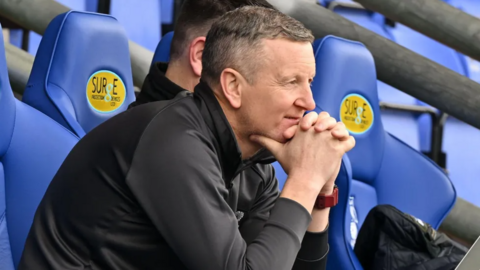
x: 281, y: 139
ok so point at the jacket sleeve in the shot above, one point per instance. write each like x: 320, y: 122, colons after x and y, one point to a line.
x: 176, y: 177
x: 314, y: 249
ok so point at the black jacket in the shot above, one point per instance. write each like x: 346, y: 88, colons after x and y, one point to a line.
x: 393, y: 240
x: 163, y: 186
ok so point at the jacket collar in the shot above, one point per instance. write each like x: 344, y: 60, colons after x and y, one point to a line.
x: 157, y: 86
x: 229, y: 153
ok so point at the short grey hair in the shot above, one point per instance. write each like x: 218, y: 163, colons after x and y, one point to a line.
x: 234, y: 41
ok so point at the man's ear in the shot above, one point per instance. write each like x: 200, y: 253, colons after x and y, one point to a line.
x: 196, y: 53
x: 232, y: 84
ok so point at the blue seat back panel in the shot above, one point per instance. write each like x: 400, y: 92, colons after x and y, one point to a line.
x: 162, y: 53
x: 341, y: 255
x: 75, y: 48
x: 141, y: 20
x: 364, y: 199
x: 34, y: 39
x: 280, y: 174
x: 330, y: 88
x: 32, y: 148
x: 384, y: 169
x: 461, y: 142
x: 403, y: 126
x: 7, y: 121
x: 38, y: 148
x: 6, y: 261
x: 167, y: 8
x: 414, y: 184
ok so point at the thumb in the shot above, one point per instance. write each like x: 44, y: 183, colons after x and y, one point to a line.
x: 271, y: 145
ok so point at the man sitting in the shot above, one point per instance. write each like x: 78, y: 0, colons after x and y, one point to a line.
x: 152, y: 188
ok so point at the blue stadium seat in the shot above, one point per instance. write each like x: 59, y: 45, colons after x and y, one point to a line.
x: 384, y: 169
x: 162, y: 53
x: 403, y: 125
x: 141, y: 20
x: 91, y: 5
x: 34, y: 39
x: 82, y: 74
x: 357, y: 14
x: 463, y: 175
x: 32, y: 148
x: 469, y: 6
x: 167, y: 7
x: 7, y: 114
x: 434, y: 51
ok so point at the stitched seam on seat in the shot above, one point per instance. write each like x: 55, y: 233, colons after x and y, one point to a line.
x: 70, y: 98
x: 13, y: 131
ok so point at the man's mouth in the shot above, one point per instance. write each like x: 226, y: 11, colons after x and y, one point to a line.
x: 292, y: 119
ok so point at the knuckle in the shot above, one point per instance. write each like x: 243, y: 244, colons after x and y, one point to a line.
x: 324, y: 114
x: 352, y: 142
x: 312, y: 114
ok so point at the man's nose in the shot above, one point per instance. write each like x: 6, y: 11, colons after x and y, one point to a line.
x: 306, y: 100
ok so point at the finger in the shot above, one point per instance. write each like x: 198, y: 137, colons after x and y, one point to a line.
x: 340, y: 132
x: 271, y: 145
x: 290, y: 132
x: 308, y: 121
x: 325, y: 124
x: 323, y: 115
x: 349, y: 144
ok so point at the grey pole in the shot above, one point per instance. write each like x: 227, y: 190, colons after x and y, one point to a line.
x: 463, y: 221
x: 19, y: 65
x: 397, y: 66
x: 37, y: 14
x: 433, y: 18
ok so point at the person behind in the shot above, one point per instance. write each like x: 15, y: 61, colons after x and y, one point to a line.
x: 166, y: 80
x: 151, y: 187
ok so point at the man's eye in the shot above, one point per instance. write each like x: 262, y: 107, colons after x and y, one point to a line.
x: 293, y: 82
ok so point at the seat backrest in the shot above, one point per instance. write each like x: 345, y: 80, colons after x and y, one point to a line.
x: 82, y: 74
x: 365, y: 18
x: 469, y: 6
x: 32, y: 148
x: 7, y: 122
x: 167, y: 10
x: 141, y: 20
x: 162, y: 53
x: 34, y: 39
x: 462, y: 173
x: 384, y: 169
x: 401, y: 124
x: 460, y: 156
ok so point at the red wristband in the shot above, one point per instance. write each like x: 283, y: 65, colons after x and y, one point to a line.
x: 326, y: 201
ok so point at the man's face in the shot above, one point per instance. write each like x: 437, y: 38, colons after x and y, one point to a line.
x: 281, y: 92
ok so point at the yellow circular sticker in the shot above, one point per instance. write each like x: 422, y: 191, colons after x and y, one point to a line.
x: 356, y: 113
x: 105, y: 91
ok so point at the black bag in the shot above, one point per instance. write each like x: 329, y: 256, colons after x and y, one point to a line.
x: 392, y: 240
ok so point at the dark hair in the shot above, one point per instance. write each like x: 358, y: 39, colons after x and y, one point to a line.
x: 197, y: 16
x: 235, y: 40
